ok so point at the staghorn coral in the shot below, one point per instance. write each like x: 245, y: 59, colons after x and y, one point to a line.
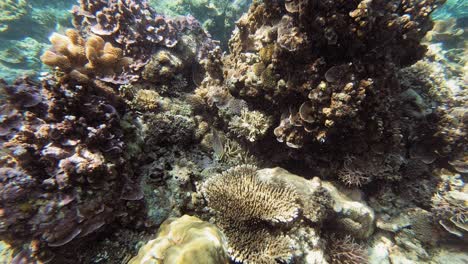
x: 239, y: 194
x: 184, y: 240
x: 82, y: 59
x: 328, y: 66
x: 346, y: 251
x: 251, y: 125
x: 61, y: 153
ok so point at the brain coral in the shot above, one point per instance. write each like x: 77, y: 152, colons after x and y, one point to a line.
x: 184, y: 240
x: 326, y: 66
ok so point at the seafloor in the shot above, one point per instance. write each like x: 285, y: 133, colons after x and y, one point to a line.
x: 216, y: 131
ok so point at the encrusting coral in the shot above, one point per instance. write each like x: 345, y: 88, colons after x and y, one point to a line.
x: 82, y: 59
x: 185, y: 240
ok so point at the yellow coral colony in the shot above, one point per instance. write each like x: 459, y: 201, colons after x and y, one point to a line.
x: 184, y: 240
x: 79, y: 57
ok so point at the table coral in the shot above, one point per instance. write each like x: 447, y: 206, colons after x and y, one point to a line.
x: 185, y: 240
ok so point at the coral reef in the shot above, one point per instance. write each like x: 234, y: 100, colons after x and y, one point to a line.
x: 138, y: 30
x: 61, y: 153
x: 185, y: 240
x: 329, y: 73
x: 143, y: 120
x: 259, y: 231
x: 25, y: 26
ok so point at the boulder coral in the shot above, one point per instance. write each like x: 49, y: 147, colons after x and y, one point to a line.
x: 185, y: 240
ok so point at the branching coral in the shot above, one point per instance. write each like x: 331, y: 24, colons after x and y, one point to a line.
x: 346, y: 251
x: 83, y: 59
x: 239, y: 194
x: 185, y: 240
x: 246, y: 207
x: 146, y: 100
x: 360, y: 171
x: 250, y: 125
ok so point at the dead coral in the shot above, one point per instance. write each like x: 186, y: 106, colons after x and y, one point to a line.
x: 82, y: 59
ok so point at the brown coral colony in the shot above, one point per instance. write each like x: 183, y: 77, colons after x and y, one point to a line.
x: 82, y: 59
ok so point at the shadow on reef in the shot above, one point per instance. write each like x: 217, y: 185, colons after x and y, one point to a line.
x: 333, y: 132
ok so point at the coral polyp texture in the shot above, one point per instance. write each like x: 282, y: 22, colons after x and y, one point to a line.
x: 328, y: 66
x: 185, y: 240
